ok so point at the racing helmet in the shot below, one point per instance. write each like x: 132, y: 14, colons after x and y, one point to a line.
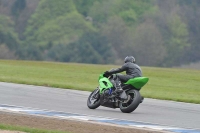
x: 129, y: 59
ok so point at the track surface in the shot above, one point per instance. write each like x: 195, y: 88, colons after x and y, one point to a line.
x: 161, y: 112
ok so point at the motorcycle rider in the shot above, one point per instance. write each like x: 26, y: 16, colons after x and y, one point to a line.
x: 132, y: 71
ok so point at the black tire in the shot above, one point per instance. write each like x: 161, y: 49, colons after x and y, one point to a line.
x: 132, y: 104
x: 96, y: 104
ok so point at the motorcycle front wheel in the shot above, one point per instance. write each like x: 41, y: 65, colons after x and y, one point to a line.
x: 93, y: 101
x: 134, y: 99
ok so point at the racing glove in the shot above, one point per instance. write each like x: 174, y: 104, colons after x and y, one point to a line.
x: 106, y: 74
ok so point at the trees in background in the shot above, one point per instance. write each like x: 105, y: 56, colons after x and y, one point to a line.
x: 6, y: 53
x: 148, y: 47
x: 94, y: 48
x: 55, y: 22
x: 190, y: 14
x: 7, y: 34
x: 17, y: 7
x: 158, y: 33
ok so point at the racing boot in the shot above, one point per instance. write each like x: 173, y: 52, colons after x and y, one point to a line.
x: 118, y: 87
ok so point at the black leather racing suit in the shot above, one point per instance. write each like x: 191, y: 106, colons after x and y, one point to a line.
x: 132, y: 71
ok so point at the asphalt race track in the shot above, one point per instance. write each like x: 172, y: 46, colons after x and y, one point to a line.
x: 166, y: 113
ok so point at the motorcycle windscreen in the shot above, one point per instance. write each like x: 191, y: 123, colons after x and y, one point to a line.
x: 101, y: 76
x: 138, y: 82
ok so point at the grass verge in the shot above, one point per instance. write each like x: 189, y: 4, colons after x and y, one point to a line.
x: 26, y: 129
x: 165, y: 83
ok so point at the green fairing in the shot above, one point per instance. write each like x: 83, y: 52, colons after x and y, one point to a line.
x: 104, y: 83
x: 138, y: 82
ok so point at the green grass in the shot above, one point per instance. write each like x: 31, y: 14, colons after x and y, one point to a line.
x: 165, y: 83
x: 26, y: 129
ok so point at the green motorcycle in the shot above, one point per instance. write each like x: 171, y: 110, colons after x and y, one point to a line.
x: 105, y: 94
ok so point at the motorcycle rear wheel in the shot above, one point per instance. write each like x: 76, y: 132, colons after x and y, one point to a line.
x: 130, y: 105
x: 96, y: 97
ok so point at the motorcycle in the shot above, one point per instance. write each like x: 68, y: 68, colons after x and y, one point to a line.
x: 105, y: 94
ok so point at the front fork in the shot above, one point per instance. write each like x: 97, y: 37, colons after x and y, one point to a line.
x: 96, y: 94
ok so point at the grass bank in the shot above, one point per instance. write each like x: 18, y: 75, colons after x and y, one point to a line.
x: 165, y: 83
x: 26, y: 129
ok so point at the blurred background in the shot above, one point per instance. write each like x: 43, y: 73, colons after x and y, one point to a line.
x: 161, y: 33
